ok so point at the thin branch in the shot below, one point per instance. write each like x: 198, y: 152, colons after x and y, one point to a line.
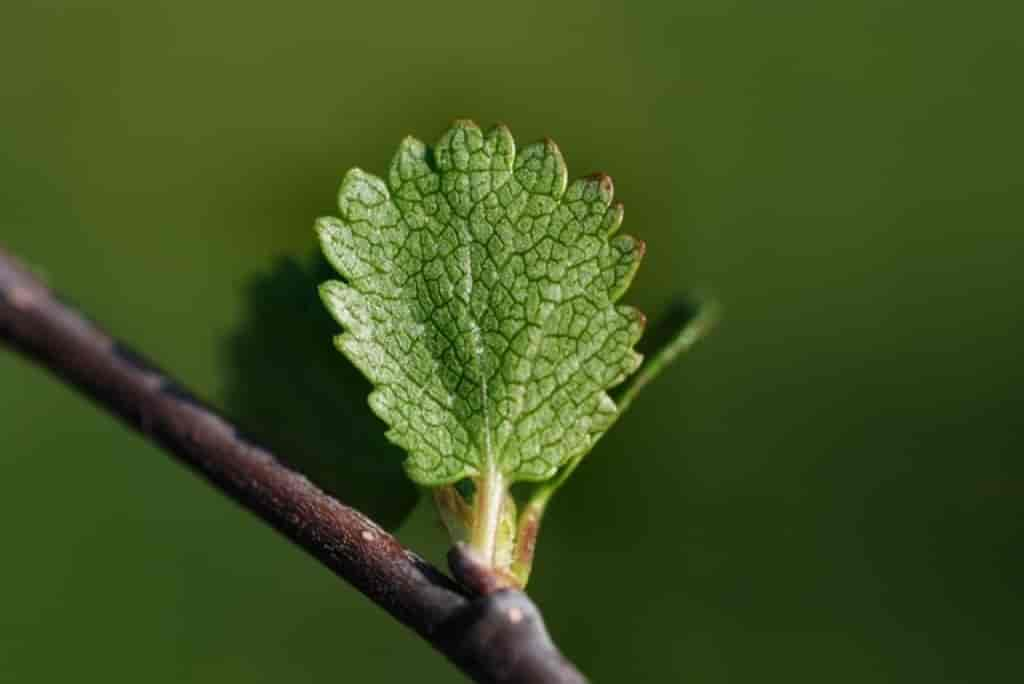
x: 499, y: 637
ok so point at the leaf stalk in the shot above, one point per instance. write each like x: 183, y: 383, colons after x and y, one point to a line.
x: 488, y: 501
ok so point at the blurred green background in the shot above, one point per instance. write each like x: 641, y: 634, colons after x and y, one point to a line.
x: 831, y: 488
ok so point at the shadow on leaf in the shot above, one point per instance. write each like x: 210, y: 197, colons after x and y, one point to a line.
x: 289, y: 387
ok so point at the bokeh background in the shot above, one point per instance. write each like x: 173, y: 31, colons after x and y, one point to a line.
x: 830, y: 488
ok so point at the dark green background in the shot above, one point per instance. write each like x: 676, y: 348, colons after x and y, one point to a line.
x: 829, y: 489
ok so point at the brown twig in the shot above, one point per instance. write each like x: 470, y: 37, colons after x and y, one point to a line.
x: 499, y: 637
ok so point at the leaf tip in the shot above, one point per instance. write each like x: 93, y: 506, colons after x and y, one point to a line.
x: 604, y: 183
x: 465, y: 124
x: 552, y: 147
x: 641, y: 319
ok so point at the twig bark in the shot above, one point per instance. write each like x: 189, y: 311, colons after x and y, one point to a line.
x: 498, y: 637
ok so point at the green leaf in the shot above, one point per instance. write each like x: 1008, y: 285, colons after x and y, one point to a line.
x: 479, y: 297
